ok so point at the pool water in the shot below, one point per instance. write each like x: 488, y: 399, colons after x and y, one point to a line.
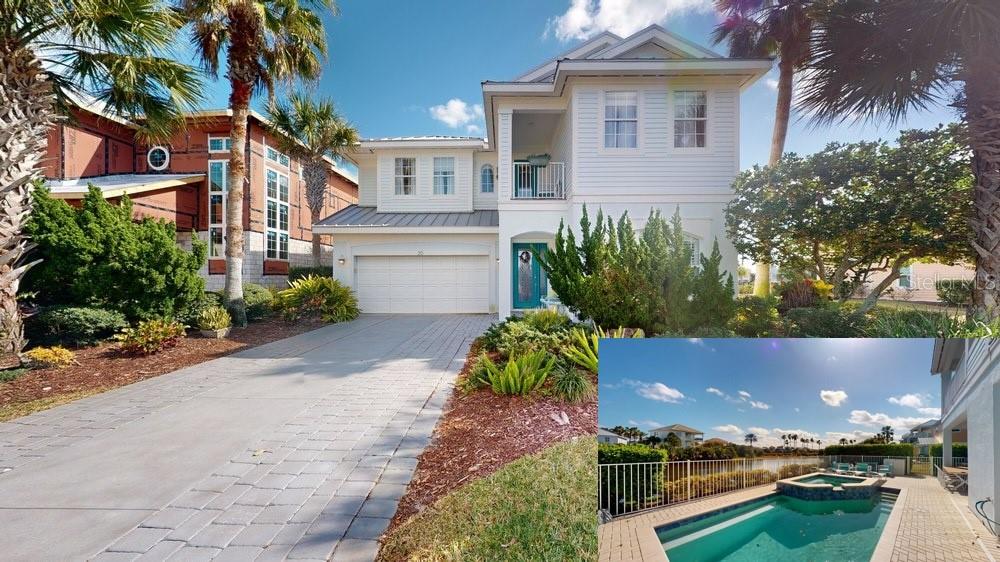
x: 829, y: 479
x: 776, y: 528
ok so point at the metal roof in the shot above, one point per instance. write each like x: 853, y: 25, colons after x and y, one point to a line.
x: 357, y: 216
x: 678, y: 427
x: 118, y: 185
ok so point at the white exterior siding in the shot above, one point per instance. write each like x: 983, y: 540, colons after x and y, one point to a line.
x: 482, y: 200
x: 367, y: 192
x: 655, y: 167
x: 424, y: 200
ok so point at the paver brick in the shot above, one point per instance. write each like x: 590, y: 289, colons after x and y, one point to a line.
x: 139, y: 540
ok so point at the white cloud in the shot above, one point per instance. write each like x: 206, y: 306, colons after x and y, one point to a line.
x: 909, y: 400
x: 833, y: 397
x: 900, y: 423
x: 730, y: 429
x: 584, y: 19
x: 759, y: 405
x: 744, y: 397
x: 715, y: 391
x: 936, y: 412
x: 831, y: 359
x: 473, y: 129
x: 457, y: 113
x: 772, y: 84
x: 796, y: 409
x: 744, y: 394
x: 760, y: 431
x: 655, y: 391
x: 648, y: 424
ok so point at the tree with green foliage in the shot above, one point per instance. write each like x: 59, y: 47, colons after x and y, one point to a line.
x: 618, y: 278
x: 852, y: 210
x: 99, y: 256
x: 672, y: 440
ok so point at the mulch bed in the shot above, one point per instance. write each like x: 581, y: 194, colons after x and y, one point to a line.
x: 481, y: 432
x: 103, y: 367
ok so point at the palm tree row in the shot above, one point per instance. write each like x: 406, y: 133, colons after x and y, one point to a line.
x: 121, y: 52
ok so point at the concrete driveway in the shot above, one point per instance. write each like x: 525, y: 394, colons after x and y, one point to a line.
x: 298, y: 449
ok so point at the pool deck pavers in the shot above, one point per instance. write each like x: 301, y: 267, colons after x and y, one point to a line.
x: 934, y: 525
x: 295, y: 450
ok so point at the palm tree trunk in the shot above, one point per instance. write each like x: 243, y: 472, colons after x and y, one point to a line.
x: 26, y: 113
x: 983, y: 116
x: 240, y: 103
x: 782, y: 111
x: 315, y: 176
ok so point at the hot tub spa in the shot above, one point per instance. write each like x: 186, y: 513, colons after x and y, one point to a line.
x: 822, y: 486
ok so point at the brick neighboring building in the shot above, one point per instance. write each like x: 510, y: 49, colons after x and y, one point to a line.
x: 184, y: 181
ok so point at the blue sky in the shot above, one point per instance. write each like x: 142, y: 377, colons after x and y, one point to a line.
x: 819, y: 388
x: 392, y: 61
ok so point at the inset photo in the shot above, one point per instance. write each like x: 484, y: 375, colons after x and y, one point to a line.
x: 797, y: 449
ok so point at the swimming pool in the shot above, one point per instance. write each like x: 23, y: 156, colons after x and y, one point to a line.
x: 778, y: 527
x: 829, y: 479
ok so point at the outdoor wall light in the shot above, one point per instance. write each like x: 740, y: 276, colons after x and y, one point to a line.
x: 341, y: 261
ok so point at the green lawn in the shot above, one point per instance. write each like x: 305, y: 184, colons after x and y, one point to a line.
x: 539, y: 507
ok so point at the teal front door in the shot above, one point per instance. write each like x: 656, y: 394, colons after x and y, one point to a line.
x: 529, y: 284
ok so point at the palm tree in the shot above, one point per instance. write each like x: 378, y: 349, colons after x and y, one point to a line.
x: 785, y: 439
x: 312, y: 131
x: 879, y: 60
x: 750, y: 439
x: 886, y: 434
x: 52, y: 51
x: 794, y: 438
x: 769, y: 28
x: 843, y: 441
x: 265, y: 42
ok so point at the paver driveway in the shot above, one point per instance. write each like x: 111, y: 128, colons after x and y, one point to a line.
x: 297, y: 449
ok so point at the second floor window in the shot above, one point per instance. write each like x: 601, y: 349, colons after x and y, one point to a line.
x: 444, y: 176
x: 690, y: 119
x: 275, y: 156
x: 277, y: 215
x: 406, y: 176
x: 218, y: 178
x: 621, y: 120
x: 486, y: 179
x: 219, y: 144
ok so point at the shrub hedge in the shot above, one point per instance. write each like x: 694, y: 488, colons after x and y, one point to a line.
x: 956, y: 292
x: 258, y: 300
x: 617, y: 454
x: 299, y: 272
x: 960, y: 450
x: 873, y: 449
x: 76, y: 326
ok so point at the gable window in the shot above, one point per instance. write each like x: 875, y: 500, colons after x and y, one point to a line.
x: 219, y: 144
x: 690, y: 119
x: 275, y: 156
x: 158, y: 158
x: 486, y: 178
x: 406, y: 176
x: 277, y: 215
x: 444, y: 176
x: 621, y: 120
x: 218, y: 178
x: 905, y: 280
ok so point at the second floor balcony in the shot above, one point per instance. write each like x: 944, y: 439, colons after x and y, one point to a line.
x: 539, y: 182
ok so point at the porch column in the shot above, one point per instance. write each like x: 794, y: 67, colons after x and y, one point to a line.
x: 505, y: 174
x: 946, y: 447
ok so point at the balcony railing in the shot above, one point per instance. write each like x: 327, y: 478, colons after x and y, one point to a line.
x: 538, y: 182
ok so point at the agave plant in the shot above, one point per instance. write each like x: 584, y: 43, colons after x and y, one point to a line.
x: 520, y: 375
x: 55, y: 51
x: 584, y: 345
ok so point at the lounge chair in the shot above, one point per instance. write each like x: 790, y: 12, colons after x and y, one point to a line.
x: 861, y: 469
x: 885, y: 470
x: 843, y: 468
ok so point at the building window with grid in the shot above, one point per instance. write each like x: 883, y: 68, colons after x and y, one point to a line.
x: 444, y: 176
x: 486, y: 179
x: 621, y: 120
x: 275, y: 156
x: 905, y: 280
x: 406, y: 176
x: 277, y: 215
x: 218, y: 178
x: 219, y: 144
x: 695, y: 248
x: 690, y: 119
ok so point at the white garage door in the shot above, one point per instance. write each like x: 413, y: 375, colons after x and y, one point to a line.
x: 438, y: 284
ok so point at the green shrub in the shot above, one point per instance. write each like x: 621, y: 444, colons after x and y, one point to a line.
x: 789, y: 470
x: 830, y: 321
x: 885, y: 322
x: 7, y: 375
x: 623, y: 454
x: 76, y: 326
x: 214, y: 318
x: 959, y: 450
x: 583, y: 349
x: 325, y: 296
x: 207, y: 300
x: 490, y: 339
x: 572, y: 385
x: 622, y: 488
x: 521, y: 375
x: 476, y: 375
x: 99, y: 256
x: 518, y: 338
x: 45, y: 357
x: 871, y: 449
x: 692, y: 487
x: 300, y: 272
x: 150, y: 336
x: 797, y: 293
x: 258, y: 300
x: 756, y: 317
x: 546, y: 321
x: 956, y: 292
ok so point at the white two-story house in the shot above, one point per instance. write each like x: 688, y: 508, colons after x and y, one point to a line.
x: 446, y: 224
x: 688, y: 436
x: 970, y: 413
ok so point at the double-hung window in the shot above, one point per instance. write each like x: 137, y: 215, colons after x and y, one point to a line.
x: 690, y: 119
x: 218, y: 178
x: 277, y: 215
x: 406, y: 176
x: 905, y: 280
x: 621, y: 119
x: 444, y: 176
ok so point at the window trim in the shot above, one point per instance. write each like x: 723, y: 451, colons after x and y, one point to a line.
x: 672, y: 112
x: 493, y: 178
x: 445, y: 173
x: 639, y: 122
x: 166, y: 163
x: 224, y: 138
x: 277, y: 230
x: 696, y: 249
x: 277, y: 161
x: 225, y: 203
x: 396, y: 187
x: 907, y: 272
